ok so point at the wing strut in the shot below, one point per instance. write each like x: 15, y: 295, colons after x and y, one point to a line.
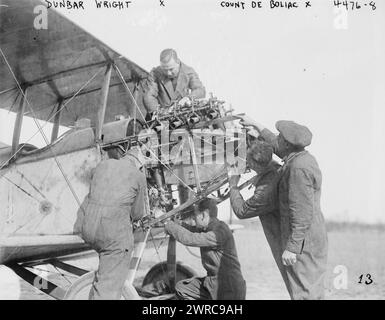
x: 61, y: 108
x: 56, y: 121
x: 19, y: 120
x: 103, y: 102
x: 24, y: 99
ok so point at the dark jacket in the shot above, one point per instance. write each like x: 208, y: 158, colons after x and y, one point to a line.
x: 218, y: 254
x: 263, y: 204
x: 160, y: 90
x: 263, y: 201
x: 302, y: 223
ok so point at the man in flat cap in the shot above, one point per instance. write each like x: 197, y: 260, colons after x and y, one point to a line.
x: 304, y: 236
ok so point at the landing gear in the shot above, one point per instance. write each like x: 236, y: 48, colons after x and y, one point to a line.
x: 155, y: 284
x: 156, y: 281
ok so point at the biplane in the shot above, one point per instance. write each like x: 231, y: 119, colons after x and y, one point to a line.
x: 64, y: 76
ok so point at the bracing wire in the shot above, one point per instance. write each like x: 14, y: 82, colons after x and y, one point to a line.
x: 129, y: 91
x: 64, y: 105
x: 41, y: 131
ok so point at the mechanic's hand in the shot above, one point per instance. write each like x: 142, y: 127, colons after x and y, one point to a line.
x: 233, y: 180
x: 178, y: 220
x: 185, y: 101
x: 289, y: 258
x: 246, y: 120
x: 249, y: 122
x: 232, y: 169
x: 167, y: 220
x: 165, y: 223
x: 233, y: 174
x: 254, y: 133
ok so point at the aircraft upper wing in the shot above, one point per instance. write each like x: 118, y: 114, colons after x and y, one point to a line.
x: 55, y: 63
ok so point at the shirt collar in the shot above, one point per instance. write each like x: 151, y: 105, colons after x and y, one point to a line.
x: 292, y: 155
x: 289, y: 158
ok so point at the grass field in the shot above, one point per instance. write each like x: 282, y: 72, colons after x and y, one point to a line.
x: 354, y: 249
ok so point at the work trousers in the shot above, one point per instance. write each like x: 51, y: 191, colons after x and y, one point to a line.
x: 306, y: 278
x: 111, y: 274
x: 108, y: 230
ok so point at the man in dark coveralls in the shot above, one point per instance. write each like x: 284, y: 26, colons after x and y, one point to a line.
x: 118, y: 195
x: 263, y: 203
x: 224, y: 280
x: 303, y: 230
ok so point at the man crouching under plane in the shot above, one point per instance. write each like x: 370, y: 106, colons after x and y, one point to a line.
x: 224, y: 280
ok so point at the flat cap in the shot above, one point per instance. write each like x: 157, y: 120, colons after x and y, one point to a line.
x: 294, y: 133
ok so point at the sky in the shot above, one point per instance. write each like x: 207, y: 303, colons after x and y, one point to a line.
x: 321, y: 66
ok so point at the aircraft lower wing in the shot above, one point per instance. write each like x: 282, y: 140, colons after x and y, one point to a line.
x: 31, y: 248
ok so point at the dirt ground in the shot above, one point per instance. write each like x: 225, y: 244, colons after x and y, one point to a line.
x: 353, y: 251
